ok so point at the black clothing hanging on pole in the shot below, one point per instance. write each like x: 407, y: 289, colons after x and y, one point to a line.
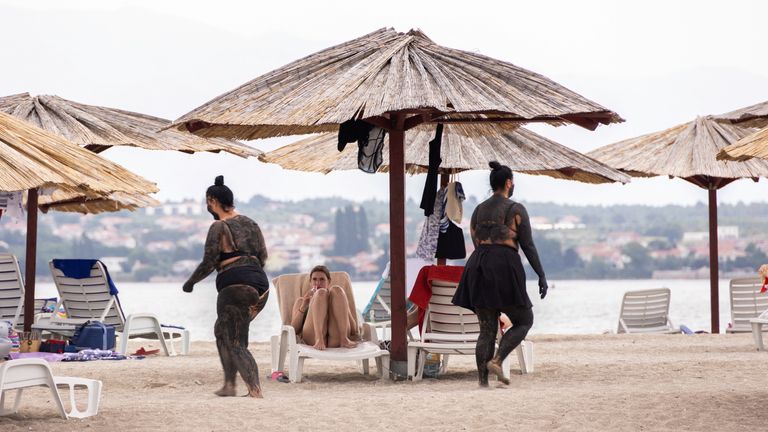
x: 430, y: 187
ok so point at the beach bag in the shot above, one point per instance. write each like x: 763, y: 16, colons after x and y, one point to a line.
x: 29, y: 343
x: 94, y: 334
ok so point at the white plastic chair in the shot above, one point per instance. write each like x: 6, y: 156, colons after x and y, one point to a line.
x: 450, y: 329
x: 747, y: 303
x: 23, y: 373
x: 646, y: 311
x: 90, y: 299
x: 287, y: 345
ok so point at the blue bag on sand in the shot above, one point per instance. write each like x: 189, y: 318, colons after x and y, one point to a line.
x: 94, y: 334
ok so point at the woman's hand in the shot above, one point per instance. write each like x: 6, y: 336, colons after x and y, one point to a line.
x: 188, y: 287
x: 543, y: 287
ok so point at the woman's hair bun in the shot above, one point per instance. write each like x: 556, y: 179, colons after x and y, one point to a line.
x: 219, y: 181
x: 494, y: 165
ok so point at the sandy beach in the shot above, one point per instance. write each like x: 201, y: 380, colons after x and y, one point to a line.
x: 596, y: 382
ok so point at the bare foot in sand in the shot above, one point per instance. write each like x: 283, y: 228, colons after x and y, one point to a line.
x: 494, y: 367
x: 227, y: 390
x: 255, y: 393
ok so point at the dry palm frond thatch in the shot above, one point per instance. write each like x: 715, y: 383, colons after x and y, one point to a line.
x: 464, y: 147
x: 687, y: 151
x: 81, y: 203
x: 752, y: 116
x: 753, y: 145
x: 33, y: 158
x: 383, y: 72
x: 99, y: 128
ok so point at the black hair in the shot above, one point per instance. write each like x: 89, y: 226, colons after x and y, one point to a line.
x: 499, y: 175
x: 221, y: 193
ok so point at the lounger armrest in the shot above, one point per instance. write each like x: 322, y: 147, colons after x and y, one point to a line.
x: 288, y: 336
x: 370, y: 331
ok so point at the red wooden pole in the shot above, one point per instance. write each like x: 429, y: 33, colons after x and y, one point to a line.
x: 714, y: 276
x: 30, y: 261
x: 398, y: 348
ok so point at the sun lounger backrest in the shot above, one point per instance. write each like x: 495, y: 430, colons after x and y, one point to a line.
x: 289, y: 287
x: 11, y: 290
x: 747, y: 302
x: 379, y: 309
x: 88, y: 298
x: 645, y: 311
x: 446, y: 321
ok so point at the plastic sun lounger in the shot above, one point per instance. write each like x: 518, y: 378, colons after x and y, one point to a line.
x: 90, y: 299
x: 646, y: 311
x: 12, y: 293
x: 747, y: 304
x: 450, y: 329
x: 25, y: 373
x: 287, y: 345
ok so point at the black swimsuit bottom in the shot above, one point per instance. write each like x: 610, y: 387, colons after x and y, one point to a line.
x: 252, y: 275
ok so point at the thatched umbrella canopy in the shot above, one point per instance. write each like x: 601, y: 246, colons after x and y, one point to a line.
x: 688, y: 151
x: 99, y: 128
x: 32, y: 159
x: 385, y: 72
x: 464, y: 147
x: 395, y: 81
x: 753, y: 145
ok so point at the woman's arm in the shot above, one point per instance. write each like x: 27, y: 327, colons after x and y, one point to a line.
x: 473, y: 227
x: 210, y: 256
x: 299, y: 312
x: 525, y: 239
x: 261, y: 252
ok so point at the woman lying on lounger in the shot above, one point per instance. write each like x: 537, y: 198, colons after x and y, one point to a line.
x: 322, y: 316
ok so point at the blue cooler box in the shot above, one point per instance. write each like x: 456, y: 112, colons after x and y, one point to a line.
x: 94, y: 334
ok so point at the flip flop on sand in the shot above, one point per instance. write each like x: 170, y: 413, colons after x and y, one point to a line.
x: 142, y: 352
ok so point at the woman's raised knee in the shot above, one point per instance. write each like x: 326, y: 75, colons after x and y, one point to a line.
x: 336, y: 291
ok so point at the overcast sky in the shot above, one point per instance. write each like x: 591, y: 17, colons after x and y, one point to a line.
x: 656, y: 63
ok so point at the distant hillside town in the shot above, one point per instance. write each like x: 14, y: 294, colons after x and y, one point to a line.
x: 575, y: 242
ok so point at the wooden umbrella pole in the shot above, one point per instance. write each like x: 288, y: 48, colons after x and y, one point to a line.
x: 714, y: 277
x: 443, y: 183
x: 398, y: 349
x: 30, y: 262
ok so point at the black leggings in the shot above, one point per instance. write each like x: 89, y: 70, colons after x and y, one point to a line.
x: 237, y: 306
x: 522, y: 320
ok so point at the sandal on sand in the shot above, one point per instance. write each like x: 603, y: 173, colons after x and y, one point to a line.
x: 142, y: 352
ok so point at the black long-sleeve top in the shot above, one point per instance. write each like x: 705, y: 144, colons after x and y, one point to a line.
x: 247, y: 239
x: 501, y: 220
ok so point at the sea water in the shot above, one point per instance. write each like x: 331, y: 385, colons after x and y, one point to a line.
x: 571, y: 307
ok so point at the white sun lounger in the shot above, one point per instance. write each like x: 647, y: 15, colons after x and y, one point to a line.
x: 90, y: 299
x: 449, y: 329
x: 25, y: 373
x: 286, y: 345
x: 646, y: 311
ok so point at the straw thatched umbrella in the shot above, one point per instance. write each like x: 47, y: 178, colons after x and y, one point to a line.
x: 464, y: 147
x: 395, y: 81
x: 688, y: 151
x: 753, y: 145
x: 32, y: 159
x: 99, y: 128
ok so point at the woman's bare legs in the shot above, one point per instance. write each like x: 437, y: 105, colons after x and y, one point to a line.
x: 316, y: 325
x: 340, y: 322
